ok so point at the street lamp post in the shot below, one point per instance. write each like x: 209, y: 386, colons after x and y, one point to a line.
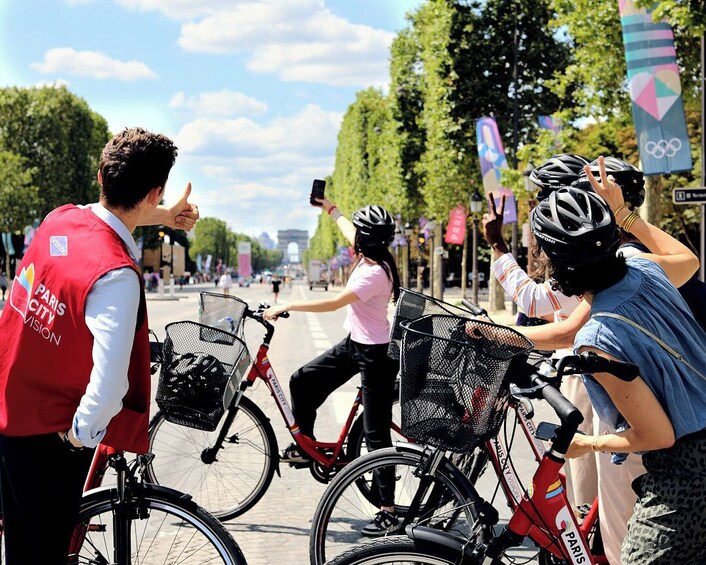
x: 432, y: 227
x: 476, y: 205
x: 408, y: 237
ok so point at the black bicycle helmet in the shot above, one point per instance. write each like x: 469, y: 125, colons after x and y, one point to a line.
x: 374, y: 225
x: 629, y: 178
x: 574, y: 227
x: 559, y: 170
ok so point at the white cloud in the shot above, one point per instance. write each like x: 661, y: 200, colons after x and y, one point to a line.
x: 222, y: 103
x: 312, y: 131
x: 298, y: 40
x: 91, y: 64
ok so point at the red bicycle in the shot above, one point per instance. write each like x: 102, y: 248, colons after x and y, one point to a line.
x: 541, y: 512
x: 230, y: 466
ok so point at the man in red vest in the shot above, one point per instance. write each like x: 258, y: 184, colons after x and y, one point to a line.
x: 74, y: 346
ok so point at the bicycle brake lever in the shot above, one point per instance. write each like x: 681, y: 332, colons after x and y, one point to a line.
x: 518, y: 396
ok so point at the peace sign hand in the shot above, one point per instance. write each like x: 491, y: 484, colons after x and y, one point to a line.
x: 606, y: 188
x: 492, y: 223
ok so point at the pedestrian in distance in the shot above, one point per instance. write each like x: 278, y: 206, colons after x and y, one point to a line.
x: 276, y: 282
x: 3, y: 284
x: 637, y: 315
x: 226, y: 283
x: 373, y: 282
x: 74, y: 346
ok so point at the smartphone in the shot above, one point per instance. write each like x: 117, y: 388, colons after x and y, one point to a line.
x: 317, y: 191
x: 547, y: 431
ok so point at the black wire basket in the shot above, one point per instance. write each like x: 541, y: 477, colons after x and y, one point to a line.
x: 412, y: 305
x: 223, y: 312
x: 453, y: 386
x: 201, y: 370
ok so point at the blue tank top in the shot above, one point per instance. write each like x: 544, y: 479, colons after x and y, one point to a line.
x: 646, y: 296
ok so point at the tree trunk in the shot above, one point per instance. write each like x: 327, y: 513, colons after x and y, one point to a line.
x: 651, y: 210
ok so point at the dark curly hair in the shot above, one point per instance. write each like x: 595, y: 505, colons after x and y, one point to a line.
x: 132, y: 163
x: 590, y: 277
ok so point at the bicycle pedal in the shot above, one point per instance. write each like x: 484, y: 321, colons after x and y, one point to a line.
x: 299, y: 464
x: 582, y: 511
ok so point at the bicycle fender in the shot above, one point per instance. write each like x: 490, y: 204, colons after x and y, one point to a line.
x: 432, y: 536
x: 111, y: 492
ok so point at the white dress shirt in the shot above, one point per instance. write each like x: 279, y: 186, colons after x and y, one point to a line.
x: 111, y: 316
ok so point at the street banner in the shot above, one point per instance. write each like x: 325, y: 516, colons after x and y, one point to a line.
x: 492, y: 161
x: 207, y: 265
x: 655, y: 91
x: 548, y: 122
x: 244, y: 265
x: 456, y: 230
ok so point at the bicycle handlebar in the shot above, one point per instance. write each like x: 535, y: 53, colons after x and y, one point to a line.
x: 473, y: 308
x: 589, y: 362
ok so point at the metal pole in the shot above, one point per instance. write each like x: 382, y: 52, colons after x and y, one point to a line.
x: 464, y: 265
x: 431, y: 262
x: 475, y: 260
x: 515, y: 129
x: 702, y: 238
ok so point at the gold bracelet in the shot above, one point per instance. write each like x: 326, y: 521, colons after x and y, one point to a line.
x: 629, y: 221
x: 619, y: 209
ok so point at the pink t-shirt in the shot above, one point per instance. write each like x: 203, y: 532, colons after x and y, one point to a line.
x: 366, y: 319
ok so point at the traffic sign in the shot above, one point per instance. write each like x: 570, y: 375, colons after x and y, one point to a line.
x: 689, y: 196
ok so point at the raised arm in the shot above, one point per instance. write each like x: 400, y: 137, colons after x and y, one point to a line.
x: 558, y: 335
x: 181, y: 216
x: 344, y: 224
x: 677, y: 260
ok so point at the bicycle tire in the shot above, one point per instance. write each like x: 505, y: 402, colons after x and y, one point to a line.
x: 345, y: 507
x: 236, y: 480
x: 399, y: 550
x: 166, y: 527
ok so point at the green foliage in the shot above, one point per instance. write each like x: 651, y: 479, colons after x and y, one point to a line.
x: 19, y: 196
x: 60, y: 138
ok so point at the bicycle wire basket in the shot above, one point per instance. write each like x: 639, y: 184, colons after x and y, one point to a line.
x: 453, y: 386
x: 412, y: 305
x: 201, y: 370
x: 221, y: 311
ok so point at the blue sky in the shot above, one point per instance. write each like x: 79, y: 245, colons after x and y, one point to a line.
x: 252, y: 91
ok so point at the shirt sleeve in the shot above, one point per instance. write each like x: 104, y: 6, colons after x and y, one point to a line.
x: 111, y: 315
x: 534, y: 299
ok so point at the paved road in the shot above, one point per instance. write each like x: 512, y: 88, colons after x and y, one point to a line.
x: 276, y: 530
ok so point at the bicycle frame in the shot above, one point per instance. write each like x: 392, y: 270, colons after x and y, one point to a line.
x: 547, y: 503
x: 325, y: 453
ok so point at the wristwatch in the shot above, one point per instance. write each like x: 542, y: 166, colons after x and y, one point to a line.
x: 70, y: 445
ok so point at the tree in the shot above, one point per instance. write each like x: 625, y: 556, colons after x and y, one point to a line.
x: 19, y: 196
x: 60, y: 138
x: 211, y: 238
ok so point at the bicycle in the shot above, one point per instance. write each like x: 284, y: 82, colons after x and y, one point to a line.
x: 136, y: 522
x: 229, y: 466
x: 541, y: 513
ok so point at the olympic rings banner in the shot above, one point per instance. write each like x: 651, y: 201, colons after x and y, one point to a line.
x: 492, y: 161
x: 655, y: 91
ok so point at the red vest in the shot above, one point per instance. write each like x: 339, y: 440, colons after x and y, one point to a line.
x: 45, y: 345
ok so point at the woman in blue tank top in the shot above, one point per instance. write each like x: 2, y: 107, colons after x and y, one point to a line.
x: 637, y: 315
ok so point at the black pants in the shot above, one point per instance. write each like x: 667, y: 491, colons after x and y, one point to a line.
x: 41, y: 481
x: 311, y: 385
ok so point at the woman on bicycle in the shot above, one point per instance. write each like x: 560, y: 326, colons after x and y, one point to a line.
x: 372, y: 284
x: 663, y: 412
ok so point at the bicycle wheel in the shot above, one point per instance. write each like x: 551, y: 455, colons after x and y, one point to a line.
x: 346, y: 505
x: 398, y: 550
x: 165, y: 528
x: 236, y: 480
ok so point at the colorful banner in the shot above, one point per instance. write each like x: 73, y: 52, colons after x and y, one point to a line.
x: 399, y: 240
x: 548, y: 122
x: 492, y: 161
x: 244, y: 265
x: 655, y: 91
x: 456, y: 230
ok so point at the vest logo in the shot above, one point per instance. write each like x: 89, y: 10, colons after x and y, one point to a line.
x: 58, y: 245
x: 22, y: 290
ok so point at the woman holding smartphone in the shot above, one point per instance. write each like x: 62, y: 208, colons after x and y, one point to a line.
x: 372, y: 284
